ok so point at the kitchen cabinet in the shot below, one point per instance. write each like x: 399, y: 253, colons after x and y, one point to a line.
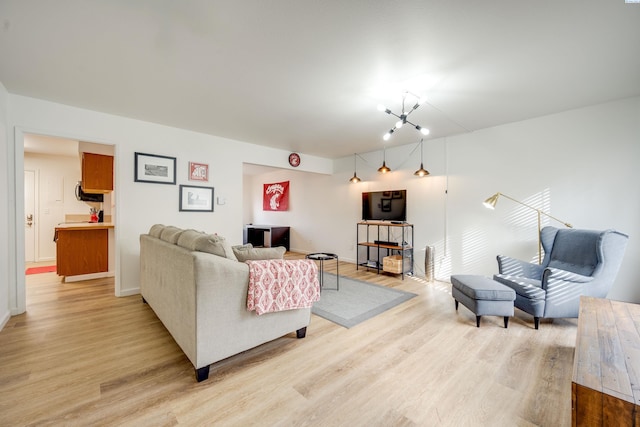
x: 97, y: 173
x: 82, y: 249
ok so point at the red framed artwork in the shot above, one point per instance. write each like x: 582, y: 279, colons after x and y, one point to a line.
x: 275, y: 197
x: 198, y: 172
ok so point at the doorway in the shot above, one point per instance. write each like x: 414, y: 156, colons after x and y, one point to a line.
x: 29, y: 220
x: 37, y: 249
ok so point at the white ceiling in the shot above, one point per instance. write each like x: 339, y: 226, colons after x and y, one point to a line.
x: 307, y: 75
x: 48, y: 145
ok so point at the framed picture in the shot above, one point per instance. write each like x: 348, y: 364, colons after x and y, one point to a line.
x: 385, y: 205
x: 198, y: 172
x: 397, y: 195
x: 196, y: 199
x: 154, y: 168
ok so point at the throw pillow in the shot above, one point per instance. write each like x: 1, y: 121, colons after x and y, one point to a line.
x: 214, y: 244
x: 259, y: 253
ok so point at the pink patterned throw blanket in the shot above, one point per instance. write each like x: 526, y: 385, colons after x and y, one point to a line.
x: 278, y: 285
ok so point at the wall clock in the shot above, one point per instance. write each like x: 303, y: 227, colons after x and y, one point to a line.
x: 294, y: 159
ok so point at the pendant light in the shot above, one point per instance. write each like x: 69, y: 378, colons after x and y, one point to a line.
x: 384, y: 168
x: 422, y: 172
x: 355, y: 178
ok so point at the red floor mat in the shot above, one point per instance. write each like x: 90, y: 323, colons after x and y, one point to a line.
x: 37, y: 270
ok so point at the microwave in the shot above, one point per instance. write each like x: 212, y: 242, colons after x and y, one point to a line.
x: 88, y: 197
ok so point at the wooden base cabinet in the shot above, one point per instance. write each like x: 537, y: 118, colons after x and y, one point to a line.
x: 83, y: 251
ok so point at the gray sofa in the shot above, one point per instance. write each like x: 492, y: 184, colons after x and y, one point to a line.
x: 197, y: 286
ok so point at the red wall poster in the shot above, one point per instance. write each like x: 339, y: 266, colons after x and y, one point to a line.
x: 275, y: 197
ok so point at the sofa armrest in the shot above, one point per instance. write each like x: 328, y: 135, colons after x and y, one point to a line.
x: 515, y: 267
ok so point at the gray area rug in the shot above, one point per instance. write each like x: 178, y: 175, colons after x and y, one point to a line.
x: 356, y: 301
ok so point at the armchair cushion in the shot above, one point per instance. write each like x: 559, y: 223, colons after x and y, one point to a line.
x: 575, y: 251
x: 525, y: 287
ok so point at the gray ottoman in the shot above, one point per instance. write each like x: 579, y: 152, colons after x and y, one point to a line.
x: 483, y: 296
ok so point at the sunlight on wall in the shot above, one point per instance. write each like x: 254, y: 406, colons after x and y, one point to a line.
x: 523, y: 222
x: 441, y: 260
x: 473, y: 248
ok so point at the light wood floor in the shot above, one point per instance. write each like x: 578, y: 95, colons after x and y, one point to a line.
x: 81, y: 356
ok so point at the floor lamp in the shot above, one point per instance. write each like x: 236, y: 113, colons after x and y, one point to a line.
x: 493, y: 200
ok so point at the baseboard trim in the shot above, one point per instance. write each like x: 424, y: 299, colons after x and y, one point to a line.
x: 128, y: 292
x: 4, y: 320
x: 80, y: 277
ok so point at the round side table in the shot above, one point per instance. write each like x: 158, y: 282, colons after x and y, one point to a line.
x: 322, y: 257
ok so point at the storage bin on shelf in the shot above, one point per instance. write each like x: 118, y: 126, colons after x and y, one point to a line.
x: 393, y: 264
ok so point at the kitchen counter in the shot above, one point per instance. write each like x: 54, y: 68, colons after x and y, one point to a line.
x: 84, y: 226
x: 82, y: 248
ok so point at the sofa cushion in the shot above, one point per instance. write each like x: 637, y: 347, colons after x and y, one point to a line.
x: 252, y: 254
x: 188, y: 239
x: 170, y: 234
x: 156, y: 230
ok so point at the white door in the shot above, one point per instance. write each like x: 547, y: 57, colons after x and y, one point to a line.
x: 30, y: 218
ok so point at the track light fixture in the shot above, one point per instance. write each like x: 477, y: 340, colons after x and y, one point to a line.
x: 355, y: 178
x: 403, y: 116
x: 422, y: 172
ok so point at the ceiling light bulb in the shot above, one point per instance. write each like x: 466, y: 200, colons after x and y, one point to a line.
x: 424, y: 131
x: 381, y: 107
x: 422, y: 101
x: 399, y: 124
x: 386, y: 136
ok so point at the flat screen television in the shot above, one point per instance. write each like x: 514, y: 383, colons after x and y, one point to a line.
x: 384, y: 205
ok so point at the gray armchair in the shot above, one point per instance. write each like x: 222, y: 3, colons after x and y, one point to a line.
x: 576, y: 262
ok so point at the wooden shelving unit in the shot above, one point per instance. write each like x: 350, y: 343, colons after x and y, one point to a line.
x: 379, y: 239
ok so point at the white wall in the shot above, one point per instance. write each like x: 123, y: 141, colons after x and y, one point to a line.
x: 140, y: 205
x: 579, y: 165
x: 5, y: 241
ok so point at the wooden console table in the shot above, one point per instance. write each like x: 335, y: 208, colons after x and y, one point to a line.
x: 605, y: 387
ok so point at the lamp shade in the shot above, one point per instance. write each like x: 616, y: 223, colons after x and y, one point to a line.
x: 384, y: 168
x: 421, y: 172
x: 355, y: 178
x: 491, y: 201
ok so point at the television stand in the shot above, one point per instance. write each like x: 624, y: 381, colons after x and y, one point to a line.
x: 377, y: 246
